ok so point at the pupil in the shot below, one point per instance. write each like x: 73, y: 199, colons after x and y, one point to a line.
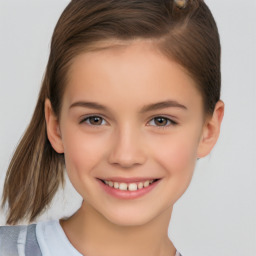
x: 95, y: 120
x: 161, y: 121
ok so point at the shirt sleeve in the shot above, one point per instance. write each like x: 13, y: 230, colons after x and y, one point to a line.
x: 19, y: 241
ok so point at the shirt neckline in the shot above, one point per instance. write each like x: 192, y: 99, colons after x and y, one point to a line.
x: 56, y: 226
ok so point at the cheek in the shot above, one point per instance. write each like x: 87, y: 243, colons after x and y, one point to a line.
x: 82, y: 155
x: 82, y: 152
x: 177, y: 149
x: 177, y: 155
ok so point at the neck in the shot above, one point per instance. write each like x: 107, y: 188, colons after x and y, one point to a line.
x: 92, y: 234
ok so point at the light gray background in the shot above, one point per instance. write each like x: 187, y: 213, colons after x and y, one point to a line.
x: 217, y: 214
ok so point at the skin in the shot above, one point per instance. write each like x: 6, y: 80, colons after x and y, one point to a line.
x: 127, y: 142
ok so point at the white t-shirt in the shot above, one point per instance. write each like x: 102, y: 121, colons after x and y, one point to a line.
x: 53, y: 241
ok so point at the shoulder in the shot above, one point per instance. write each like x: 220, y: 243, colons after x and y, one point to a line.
x: 11, y: 235
x: 11, y: 231
x: 19, y: 240
x: 53, y: 240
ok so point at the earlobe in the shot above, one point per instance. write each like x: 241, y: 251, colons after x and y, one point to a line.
x: 211, y: 131
x: 52, y: 128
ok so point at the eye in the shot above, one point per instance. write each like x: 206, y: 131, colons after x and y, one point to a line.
x: 94, y: 120
x: 161, y: 121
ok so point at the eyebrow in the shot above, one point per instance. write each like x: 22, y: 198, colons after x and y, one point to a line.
x: 88, y: 104
x: 161, y: 105
x: 146, y: 108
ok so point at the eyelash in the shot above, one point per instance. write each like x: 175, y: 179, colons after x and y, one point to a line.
x: 88, y: 117
x: 169, y: 121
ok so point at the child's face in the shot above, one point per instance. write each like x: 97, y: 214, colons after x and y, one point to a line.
x: 148, y: 122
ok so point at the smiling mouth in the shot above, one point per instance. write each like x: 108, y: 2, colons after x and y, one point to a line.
x: 133, y: 186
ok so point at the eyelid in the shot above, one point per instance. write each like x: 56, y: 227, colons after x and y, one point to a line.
x: 83, y: 119
x: 170, y: 119
x: 172, y: 122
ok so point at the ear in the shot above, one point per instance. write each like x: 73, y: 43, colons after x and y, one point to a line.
x: 211, y: 131
x: 52, y: 128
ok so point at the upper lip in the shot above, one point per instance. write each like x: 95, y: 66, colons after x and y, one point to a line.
x: 128, y: 180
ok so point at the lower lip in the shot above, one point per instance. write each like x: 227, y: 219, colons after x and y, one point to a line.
x: 126, y: 194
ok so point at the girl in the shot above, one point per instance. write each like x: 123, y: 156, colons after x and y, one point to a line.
x: 129, y: 102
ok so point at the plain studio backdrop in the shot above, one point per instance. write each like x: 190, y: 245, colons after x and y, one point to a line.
x: 217, y: 214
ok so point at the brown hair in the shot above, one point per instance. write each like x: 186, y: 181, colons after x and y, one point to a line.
x: 185, y: 32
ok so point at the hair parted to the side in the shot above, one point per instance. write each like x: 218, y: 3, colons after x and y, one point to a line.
x: 185, y: 33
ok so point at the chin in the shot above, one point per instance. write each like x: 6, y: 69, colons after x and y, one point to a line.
x: 128, y: 221
x: 129, y: 218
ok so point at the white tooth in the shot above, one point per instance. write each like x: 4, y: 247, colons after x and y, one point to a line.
x: 116, y: 185
x: 106, y: 182
x: 140, y: 185
x: 146, y: 183
x: 111, y: 184
x: 151, y: 182
x: 132, y: 187
x: 123, y: 186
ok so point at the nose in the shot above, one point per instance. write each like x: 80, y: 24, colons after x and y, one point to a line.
x: 127, y: 148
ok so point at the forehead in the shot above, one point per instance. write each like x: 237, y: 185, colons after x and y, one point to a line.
x: 131, y: 71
